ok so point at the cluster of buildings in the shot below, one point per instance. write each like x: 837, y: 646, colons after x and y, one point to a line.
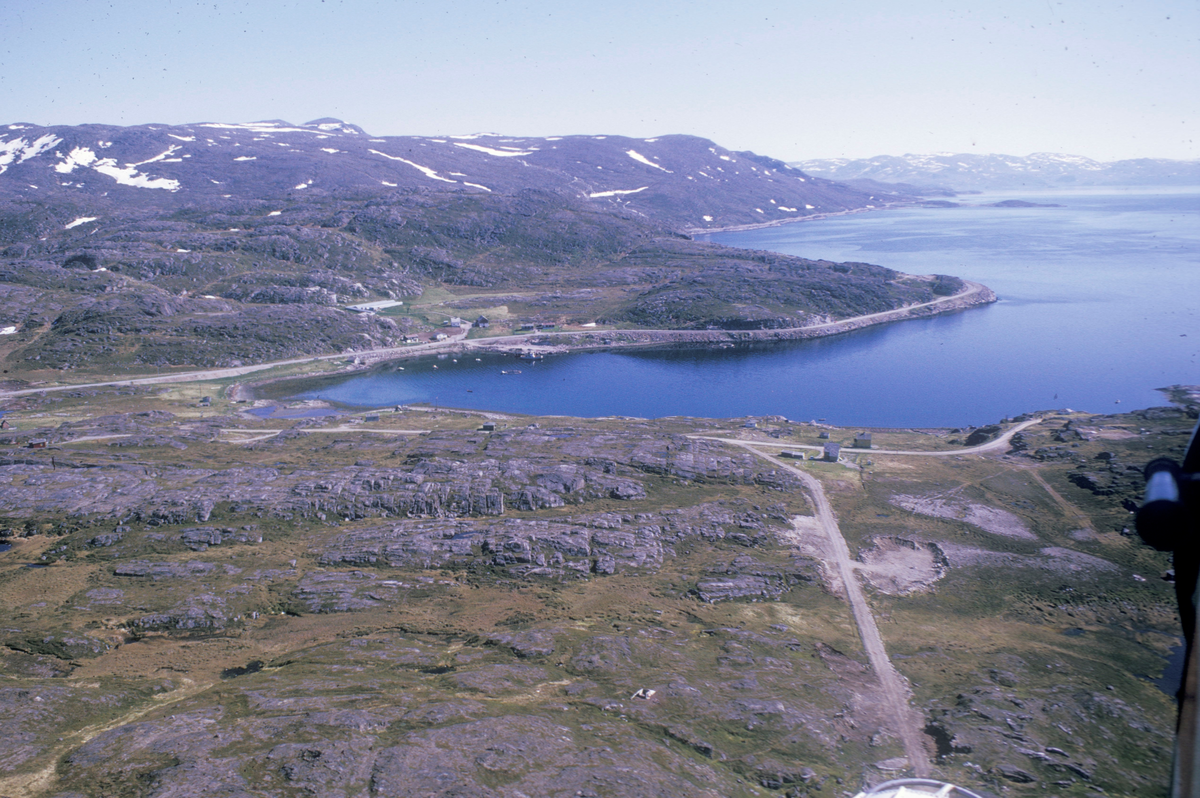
x: 831, y: 451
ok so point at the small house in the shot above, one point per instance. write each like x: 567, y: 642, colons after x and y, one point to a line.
x: 832, y: 450
x: 370, y: 418
x: 862, y: 440
x: 37, y: 443
x: 489, y: 426
x: 455, y: 321
x: 751, y: 425
x: 205, y: 401
x: 440, y: 337
x: 482, y: 322
x: 793, y: 455
x: 823, y: 436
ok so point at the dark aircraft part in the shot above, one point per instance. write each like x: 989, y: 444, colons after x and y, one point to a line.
x: 1169, y: 520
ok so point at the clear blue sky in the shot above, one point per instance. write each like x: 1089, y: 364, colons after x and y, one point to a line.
x: 792, y: 79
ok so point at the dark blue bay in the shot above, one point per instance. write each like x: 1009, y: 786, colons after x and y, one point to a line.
x: 1098, y: 308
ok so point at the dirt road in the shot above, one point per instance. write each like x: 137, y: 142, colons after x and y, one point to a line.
x: 998, y: 443
x: 906, y: 724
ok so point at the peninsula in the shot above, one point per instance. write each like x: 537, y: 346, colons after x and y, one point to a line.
x: 238, y: 245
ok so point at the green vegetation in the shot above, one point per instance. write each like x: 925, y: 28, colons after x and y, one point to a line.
x: 222, y: 286
x: 292, y: 605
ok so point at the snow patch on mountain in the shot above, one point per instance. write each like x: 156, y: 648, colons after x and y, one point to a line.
x: 281, y: 127
x: 170, y: 151
x: 79, y: 221
x: 80, y: 156
x: 129, y: 176
x: 506, y: 153
x: 19, y: 151
x: 637, y: 156
x: 617, y: 192
x: 423, y: 169
x: 124, y: 175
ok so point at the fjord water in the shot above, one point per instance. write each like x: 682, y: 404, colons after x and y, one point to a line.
x: 1099, y: 306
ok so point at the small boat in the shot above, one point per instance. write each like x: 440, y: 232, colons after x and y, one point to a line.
x: 510, y: 371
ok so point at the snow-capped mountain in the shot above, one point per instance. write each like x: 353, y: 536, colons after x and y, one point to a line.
x: 219, y: 243
x: 683, y: 181
x: 969, y: 172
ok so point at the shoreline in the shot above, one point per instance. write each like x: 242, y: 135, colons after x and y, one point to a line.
x: 737, y: 228
x: 973, y: 295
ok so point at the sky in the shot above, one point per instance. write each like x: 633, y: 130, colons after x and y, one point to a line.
x: 794, y: 80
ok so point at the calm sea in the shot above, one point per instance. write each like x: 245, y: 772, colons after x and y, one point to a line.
x: 1098, y: 307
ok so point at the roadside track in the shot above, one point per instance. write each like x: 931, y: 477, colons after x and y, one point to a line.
x: 905, y: 722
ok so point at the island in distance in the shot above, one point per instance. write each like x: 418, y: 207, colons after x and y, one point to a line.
x: 428, y: 601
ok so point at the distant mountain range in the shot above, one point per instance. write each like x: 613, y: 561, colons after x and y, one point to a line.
x: 968, y: 172
x: 682, y: 181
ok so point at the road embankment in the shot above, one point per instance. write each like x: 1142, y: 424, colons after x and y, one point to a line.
x: 973, y: 295
x: 547, y: 341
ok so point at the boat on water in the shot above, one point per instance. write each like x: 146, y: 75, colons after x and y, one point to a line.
x: 510, y: 371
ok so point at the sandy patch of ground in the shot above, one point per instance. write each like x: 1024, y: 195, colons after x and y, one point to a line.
x: 1114, y: 434
x: 808, y: 536
x: 1051, y: 558
x: 989, y: 519
x: 897, y: 567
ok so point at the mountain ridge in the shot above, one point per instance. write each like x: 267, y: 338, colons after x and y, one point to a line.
x: 176, y: 246
x: 684, y: 181
x: 976, y: 172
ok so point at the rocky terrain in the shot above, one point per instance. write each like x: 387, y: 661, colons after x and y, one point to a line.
x: 123, y: 249
x: 415, y: 602
x: 920, y: 174
x: 200, y: 601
